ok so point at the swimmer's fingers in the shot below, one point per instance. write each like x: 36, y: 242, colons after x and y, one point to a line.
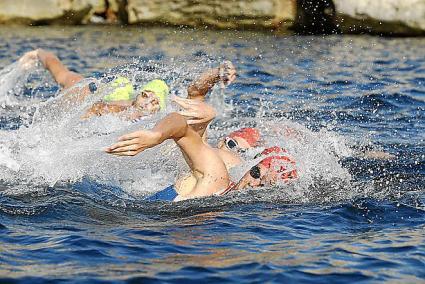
x: 186, y: 101
x: 28, y: 60
x: 123, y: 147
x: 134, y: 143
x: 194, y: 121
x: 30, y: 55
x: 192, y: 109
x: 199, y: 114
x: 191, y: 117
x: 131, y: 136
x: 121, y: 144
x: 127, y: 153
x: 130, y: 150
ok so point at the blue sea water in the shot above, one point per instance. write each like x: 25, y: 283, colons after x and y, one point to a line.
x: 68, y: 214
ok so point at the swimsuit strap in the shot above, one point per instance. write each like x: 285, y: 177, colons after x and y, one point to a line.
x: 229, y: 188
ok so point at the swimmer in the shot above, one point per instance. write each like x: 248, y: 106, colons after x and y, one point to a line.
x: 209, y: 169
x: 209, y: 166
x: 123, y: 97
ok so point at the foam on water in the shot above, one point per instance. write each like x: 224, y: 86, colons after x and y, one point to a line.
x: 58, y: 146
x: 10, y: 77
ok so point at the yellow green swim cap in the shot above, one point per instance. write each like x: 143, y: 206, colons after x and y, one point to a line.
x: 122, y: 90
x: 161, y: 90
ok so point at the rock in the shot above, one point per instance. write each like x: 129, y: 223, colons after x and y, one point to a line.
x: 388, y: 17
x: 315, y: 17
x: 110, y: 12
x: 216, y: 13
x: 47, y: 11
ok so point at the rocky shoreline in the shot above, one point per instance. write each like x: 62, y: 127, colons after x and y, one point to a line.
x: 380, y: 17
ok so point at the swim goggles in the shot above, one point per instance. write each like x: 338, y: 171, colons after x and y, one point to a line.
x: 255, y: 172
x: 232, y: 144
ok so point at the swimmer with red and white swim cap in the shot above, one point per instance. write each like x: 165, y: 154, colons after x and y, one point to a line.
x: 241, y: 139
x: 210, y: 166
x: 276, y: 167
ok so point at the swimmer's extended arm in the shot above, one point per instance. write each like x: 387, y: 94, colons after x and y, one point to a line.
x: 206, y: 165
x: 173, y: 126
x: 198, y: 113
x: 199, y: 88
x: 62, y: 75
x: 72, y: 92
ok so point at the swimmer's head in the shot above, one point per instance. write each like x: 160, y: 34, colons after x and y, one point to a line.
x: 241, y: 139
x: 122, y: 90
x: 147, y: 102
x: 152, y: 97
x: 277, y: 166
x: 160, y: 89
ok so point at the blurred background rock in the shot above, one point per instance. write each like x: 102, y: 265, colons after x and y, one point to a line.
x: 381, y: 17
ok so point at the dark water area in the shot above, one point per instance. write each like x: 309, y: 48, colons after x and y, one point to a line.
x: 368, y: 90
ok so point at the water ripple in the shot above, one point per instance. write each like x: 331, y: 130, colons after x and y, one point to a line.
x: 79, y: 228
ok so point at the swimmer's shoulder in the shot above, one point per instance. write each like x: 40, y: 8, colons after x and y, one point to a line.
x: 229, y: 158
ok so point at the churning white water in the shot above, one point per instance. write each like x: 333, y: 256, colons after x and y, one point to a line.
x: 57, y: 145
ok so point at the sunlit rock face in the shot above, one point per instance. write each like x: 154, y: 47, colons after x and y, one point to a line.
x: 217, y: 13
x: 389, y: 17
x: 47, y: 11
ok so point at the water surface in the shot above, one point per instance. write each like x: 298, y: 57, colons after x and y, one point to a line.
x: 70, y: 213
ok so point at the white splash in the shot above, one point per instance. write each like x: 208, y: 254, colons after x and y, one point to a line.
x: 58, y: 146
x: 7, y: 161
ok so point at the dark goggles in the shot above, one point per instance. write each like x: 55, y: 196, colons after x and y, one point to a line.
x: 92, y: 87
x: 255, y: 172
x: 231, y: 143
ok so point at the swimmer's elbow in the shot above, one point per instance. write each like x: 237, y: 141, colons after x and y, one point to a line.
x: 172, y: 126
x: 193, y: 91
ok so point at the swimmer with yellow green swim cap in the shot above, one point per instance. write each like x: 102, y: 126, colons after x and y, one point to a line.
x: 123, y: 90
x: 122, y: 98
x: 160, y: 89
x: 133, y: 104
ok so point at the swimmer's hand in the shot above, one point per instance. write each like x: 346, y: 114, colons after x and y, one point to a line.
x: 29, y: 60
x: 227, y: 73
x: 134, y: 143
x: 195, y: 111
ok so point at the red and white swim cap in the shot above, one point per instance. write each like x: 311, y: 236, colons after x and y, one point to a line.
x: 279, y: 162
x: 251, y: 135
